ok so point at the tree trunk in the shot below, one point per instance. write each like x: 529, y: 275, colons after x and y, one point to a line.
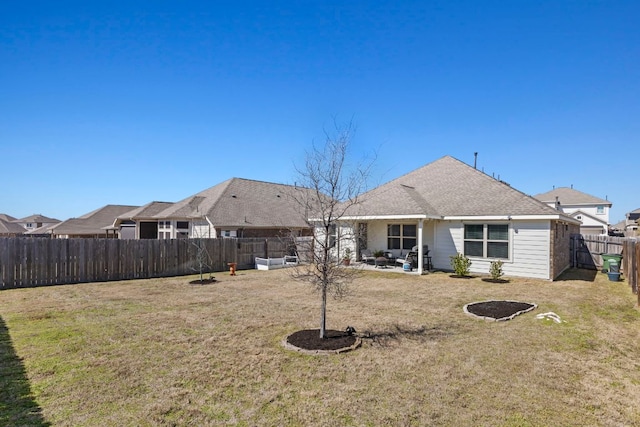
x: 323, y: 314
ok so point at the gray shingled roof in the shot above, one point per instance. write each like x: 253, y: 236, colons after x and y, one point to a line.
x: 448, y: 187
x: 240, y: 202
x: 569, y: 196
x: 7, y: 218
x: 36, y: 218
x: 91, y: 223
x: 147, y: 211
x: 8, y: 227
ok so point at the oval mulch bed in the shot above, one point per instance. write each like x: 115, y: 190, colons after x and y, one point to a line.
x: 498, y: 310
x: 308, y: 341
x: 203, y: 281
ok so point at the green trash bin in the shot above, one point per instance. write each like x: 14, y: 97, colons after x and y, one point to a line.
x: 608, y: 258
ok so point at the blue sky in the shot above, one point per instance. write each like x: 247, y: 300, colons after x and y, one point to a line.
x: 130, y: 102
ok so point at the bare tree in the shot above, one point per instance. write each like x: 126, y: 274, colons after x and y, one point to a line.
x: 332, y: 187
x: 202, y: 259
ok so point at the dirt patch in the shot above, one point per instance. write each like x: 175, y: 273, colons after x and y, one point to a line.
x: 309, y: 341
x: 498, y: 310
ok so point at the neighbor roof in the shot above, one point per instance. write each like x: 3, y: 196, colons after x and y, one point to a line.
x: 146, y: 212
x: 36, y: 218
x: 448, y: 187
x: 8, y: 227
x: 570, y: 196
x: 92, y: 222
x: 240, y: 202
x: 7, y: 217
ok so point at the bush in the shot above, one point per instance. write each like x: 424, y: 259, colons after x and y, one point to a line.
x: 496, y: 270
x: 460, y: 264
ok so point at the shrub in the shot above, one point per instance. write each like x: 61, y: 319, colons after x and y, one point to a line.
x: 495, y: 269
x: 460, y: 264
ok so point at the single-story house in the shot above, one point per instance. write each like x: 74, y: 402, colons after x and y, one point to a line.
x: 8, y: 227
x: 139, y: 223
x: 94, y: 224
x: 237, y: 207
x: 448, y: 207
x: 591, y: 211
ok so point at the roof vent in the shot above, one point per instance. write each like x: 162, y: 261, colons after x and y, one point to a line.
x: 234, y: 196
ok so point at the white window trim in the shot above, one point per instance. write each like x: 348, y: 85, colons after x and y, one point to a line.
x: 485, y: 240
x: 401, y: 236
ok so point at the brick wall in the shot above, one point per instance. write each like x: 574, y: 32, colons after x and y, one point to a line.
x: 561, y: 247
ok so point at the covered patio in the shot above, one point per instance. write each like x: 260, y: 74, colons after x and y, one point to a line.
x: 396, y: 242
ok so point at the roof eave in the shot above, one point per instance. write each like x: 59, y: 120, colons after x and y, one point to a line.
x: 380, y: 217
x: 510, y: 218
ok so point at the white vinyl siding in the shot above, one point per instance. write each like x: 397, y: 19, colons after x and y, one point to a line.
x: 202, y: 230
x: 530, y: 249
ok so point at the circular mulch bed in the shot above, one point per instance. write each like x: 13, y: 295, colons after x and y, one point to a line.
x: 308, y: 341
x: 498, y: 310
x: 203, y: 281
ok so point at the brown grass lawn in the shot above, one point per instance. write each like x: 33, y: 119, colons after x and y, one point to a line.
x: 163, y: 352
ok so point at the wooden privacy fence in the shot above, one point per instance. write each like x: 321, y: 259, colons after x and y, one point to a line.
x: 587, y: 250
x: 630, y: 262
x: 26, y: 262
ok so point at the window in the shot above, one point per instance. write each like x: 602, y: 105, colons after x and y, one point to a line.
x: 164, y: 224
x: 228, y: 233
x: 474, y: 240
x: 333, y: 235
x: 599, y: 209
x: 401, y: 236
x: 182, y: 225
x: 486, y: 240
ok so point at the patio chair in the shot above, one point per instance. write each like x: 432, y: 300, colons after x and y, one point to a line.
x: 367, y: 256
x: 410, y: 257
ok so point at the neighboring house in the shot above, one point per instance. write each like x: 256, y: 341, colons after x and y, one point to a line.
x: 618, y: 229
x: 139, y: 223
x: 7, y: 218
x: 36, y: 221
x: 450, y: 207
x: 591, y: 211
x: 631, y: 223
x: 94, y: 224
x: 235, y: 208
x: 8, y: 228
